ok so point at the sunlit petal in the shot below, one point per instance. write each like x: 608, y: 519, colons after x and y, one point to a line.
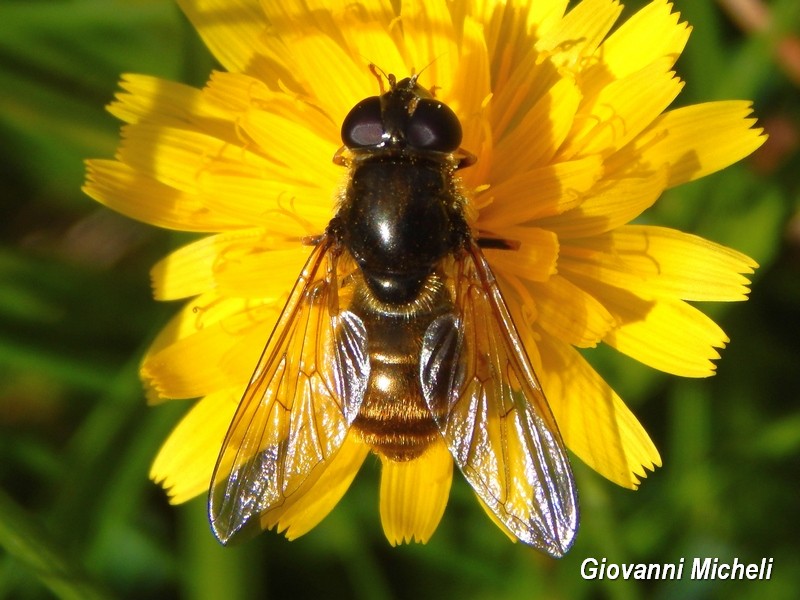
x: 185, y: 462
x: 595, y: 423
x: 301, y: 516
x: 414, y: 494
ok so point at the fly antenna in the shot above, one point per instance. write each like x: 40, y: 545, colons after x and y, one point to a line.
x: 416, y: 76
x: 380, y: 75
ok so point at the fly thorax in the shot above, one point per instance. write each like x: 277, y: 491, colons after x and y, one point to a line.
x: 399, y: 223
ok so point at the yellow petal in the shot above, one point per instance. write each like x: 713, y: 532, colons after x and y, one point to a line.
x: 177, y: 156
x: 290, y: 141
x: 469, y: 98
x: 227, y: 179
x: 246, y: 263
x: 430, y: 40
x: 649, y: 35
x: 146, y: 98
x: 317, y: 58
x: 372, y: 33
x: 238, y: 94
x: 570, y: 314
x: 666, y: 334
x: 277, y: 204
x: 534, y: 141
x: 580, y: 32
x: 136, y: 195
x: 610, y: 204
x: 471, y: 86
x: 661, y: 262
x: 511, y: 28
x: 693, y: 141
x: 545, y: 14
x: 538, y: 193
x: 414, y: 494
x: 184, y: 465
x: 594, y: 422
x: 213, y: 343
x: 621, y: 110
x: 669, y: 335
x: 534, y: 260
x: 232, y: 30
x: 513, y: 102
x: 180, y: 157
x: 301, y: 515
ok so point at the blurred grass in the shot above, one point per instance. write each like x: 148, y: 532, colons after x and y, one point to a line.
x: 78, y: 517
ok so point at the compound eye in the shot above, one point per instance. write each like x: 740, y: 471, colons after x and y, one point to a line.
x: 363, y: 127
x: 433, y: 126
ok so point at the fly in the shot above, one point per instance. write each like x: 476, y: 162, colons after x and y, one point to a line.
x: 396, y: 331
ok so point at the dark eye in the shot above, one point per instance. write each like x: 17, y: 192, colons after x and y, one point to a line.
x: 363, y: 126
x: 433, y: 126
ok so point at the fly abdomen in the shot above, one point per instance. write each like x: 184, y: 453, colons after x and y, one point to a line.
x: 394, y: 418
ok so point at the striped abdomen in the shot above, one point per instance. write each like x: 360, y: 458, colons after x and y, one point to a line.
x: 394, y: 418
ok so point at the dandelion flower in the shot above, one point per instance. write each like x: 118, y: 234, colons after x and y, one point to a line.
x: 568, y: 116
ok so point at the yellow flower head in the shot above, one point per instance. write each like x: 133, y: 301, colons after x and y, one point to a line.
x: 569, y: 123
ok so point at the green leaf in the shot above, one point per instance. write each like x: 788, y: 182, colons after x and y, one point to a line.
x: 61, y: 62
x: 25, y: 540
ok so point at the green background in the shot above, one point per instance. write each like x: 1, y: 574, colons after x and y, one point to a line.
x: 78, y: 516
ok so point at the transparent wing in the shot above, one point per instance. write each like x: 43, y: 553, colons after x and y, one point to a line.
x: 304, y: 394
x: 487, y: 403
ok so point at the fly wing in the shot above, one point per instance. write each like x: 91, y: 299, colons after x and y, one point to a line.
x: 304, y: 394
x: 481, y: 389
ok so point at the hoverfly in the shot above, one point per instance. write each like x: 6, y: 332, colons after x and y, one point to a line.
x: 396, y: 328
